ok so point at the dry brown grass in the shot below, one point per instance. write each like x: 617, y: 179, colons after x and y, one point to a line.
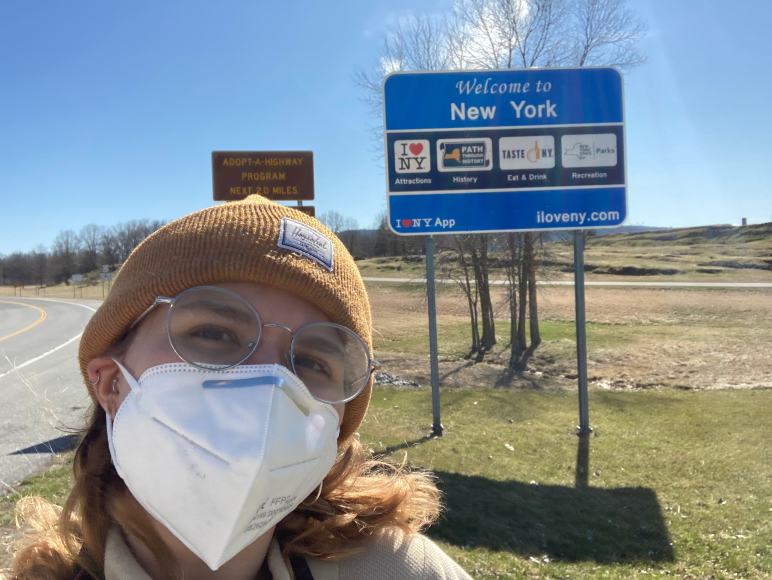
x: 637, y: 338
x: 92, y: 291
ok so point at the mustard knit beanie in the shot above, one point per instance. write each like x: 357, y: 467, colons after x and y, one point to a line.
x: 254, y: 240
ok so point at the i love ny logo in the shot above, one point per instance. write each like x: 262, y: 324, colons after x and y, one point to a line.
x: 412, y: 156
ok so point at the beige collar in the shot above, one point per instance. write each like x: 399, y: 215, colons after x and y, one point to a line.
x: 120, y: 563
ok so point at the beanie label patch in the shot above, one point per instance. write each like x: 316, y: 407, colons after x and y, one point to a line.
x: 304, y: 239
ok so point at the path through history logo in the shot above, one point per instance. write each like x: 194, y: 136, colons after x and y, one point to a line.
x: 464, y: 154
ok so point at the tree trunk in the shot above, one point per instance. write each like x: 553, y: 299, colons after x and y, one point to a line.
x: 471, y: 293
x: 533, y: 312
x: 512, y: 269
x: 471, y: 298
x: 475, y: 259
x: 522, y: 290
x: 488, y: 338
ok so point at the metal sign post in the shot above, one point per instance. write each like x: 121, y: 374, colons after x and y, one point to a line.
x: 436, y: 424
x: 506, y: 150
x: 581, y: 334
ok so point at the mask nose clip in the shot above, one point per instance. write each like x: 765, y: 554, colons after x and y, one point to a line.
x: 265, y: 381
x: 243, y: 383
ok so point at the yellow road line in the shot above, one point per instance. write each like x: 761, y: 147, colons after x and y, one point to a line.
x: 43, y: 316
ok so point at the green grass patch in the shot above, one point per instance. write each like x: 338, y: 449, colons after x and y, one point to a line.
x: 673, y: 482
x: 454, y: 337
x: 393, y: 266
x: 53, y: 485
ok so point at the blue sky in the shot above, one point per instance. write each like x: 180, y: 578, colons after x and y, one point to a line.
x: 110, y: 111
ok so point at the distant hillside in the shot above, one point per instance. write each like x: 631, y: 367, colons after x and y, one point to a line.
x: 627, y: 230
x: 759, y: 234
x: 632, y: 236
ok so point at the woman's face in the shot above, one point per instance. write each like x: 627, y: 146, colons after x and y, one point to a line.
x: 150, y: 346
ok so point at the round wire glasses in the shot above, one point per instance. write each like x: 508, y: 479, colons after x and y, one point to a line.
x: 215, y: 329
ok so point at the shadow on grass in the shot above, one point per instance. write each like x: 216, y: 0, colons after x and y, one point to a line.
x: 456, y: 370
x: 517, y: 364
x: 394, y: 448
x: 567, y: 523
x: 507, y: 376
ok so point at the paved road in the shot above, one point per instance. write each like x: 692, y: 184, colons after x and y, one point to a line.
x: 569, y: 283
x: 41, y: 392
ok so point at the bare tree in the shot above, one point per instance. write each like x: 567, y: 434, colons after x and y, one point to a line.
x: 64, y: 251
x: 89, y: 237
x: 480, y: 264
x: 544, y: 33
x: 130, y: 234
x: 454, y: 264
x: 416, y: 43
x: 505, y: 34
x: 343, y: 227
x: 109, y: 247
x: 18, y: 268
x: 40, y: 260
x: 509, y: 33
x: 513, y: 248
x: 73, y: 253
x: 337, y: 222
x: 530, y: 271
x: 606, y: 33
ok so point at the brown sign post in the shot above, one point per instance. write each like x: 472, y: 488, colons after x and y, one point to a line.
x: 277, y: 175
x: 306, y: 209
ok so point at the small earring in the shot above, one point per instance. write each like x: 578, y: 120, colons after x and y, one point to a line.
x: 318, y: 493
x: 115, y: 380
x: 94, y: 384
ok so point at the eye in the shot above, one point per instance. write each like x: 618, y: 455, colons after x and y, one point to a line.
x: 303, y: 362
x: 214, y: 334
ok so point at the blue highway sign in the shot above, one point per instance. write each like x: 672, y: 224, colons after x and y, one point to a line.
x: 505, y: 150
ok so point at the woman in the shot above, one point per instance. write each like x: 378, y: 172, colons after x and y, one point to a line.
x: 231, y: 366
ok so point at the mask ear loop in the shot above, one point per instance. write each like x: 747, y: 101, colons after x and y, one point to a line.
x: 318, y: 493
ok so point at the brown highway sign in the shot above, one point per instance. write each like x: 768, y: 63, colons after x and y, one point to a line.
x: 306, y: 209
x: 277, y: 175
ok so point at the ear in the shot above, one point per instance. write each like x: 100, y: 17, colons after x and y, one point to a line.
x: 105, y: 373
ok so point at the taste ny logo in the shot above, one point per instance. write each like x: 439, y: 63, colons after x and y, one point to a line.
x: 412, y: 156
x: 537, y: 152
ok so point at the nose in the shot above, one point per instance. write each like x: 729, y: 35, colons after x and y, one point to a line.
x: 275, y: 342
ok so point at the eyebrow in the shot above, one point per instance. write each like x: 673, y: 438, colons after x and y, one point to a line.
x: 223, y: 310
x: 326, y: 345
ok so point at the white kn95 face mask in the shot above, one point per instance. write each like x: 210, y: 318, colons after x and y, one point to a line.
x: 218, y: 457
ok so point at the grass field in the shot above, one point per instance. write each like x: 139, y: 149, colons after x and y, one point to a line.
x: 673, y: 483
x: 638, y: 338
x: 677, y: 480
x: 90, y: 291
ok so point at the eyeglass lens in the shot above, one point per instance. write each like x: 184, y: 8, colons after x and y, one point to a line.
x: 331, y: 361
x: 213, y: 328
